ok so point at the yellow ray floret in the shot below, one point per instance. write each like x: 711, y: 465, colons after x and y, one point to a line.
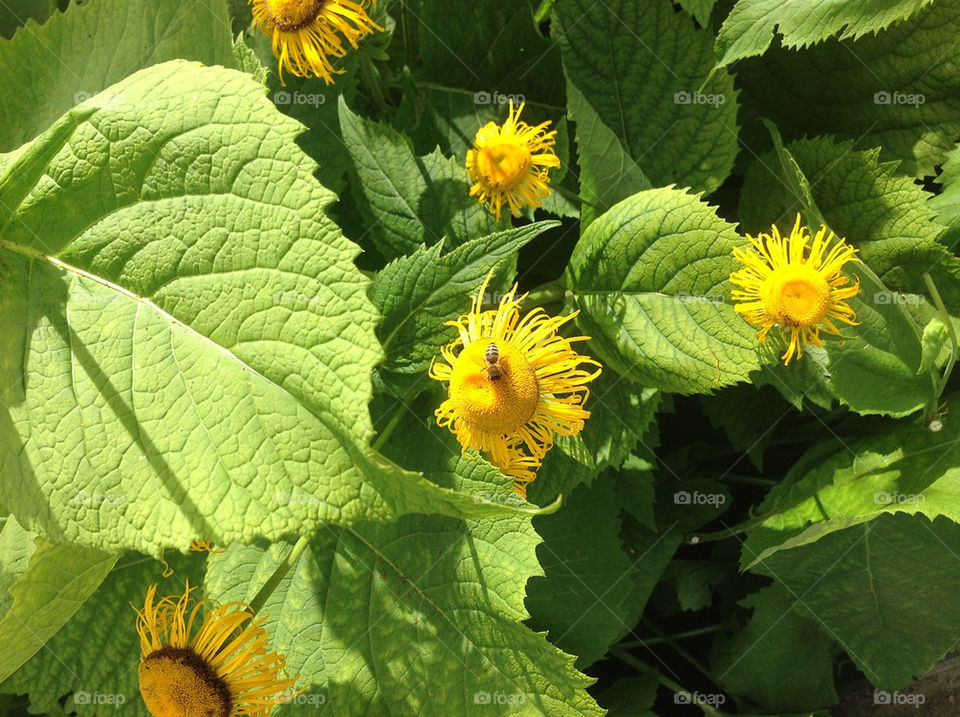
x: 799, y: 287
x: 512, y: 407
x: 509, y: 163
x: 307, y: 33
x: 223, y: 668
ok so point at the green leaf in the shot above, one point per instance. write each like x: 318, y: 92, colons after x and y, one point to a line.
x: 898, y: 90
x: 880, y: 211
x: 910, y: 470
x: 651, y: 278
x: 95, y: 655
x: 631, y: 697
x: 418, y: 293
x: 700, y: 9
x: 15, y: 16
x: 780, y: 659
x: 154, y: 245
x: 46, y: 587
x: 77, y: 54
x: 639, y: 66
x: 861, y: 587
x: 608, y: 173
x: 588, y: 578
x: 409, y: 200
x: 933, y: 344
x: 748, y: 29
x: 421, y: 616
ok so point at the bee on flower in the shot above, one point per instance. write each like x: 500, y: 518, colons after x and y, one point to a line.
x: 513, y: 384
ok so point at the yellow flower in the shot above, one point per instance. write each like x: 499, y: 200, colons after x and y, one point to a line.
x: 509, y: 163
x: 307, y: 33
x: 513, y: 384
x: 221, y: 669
x: 798, y: 289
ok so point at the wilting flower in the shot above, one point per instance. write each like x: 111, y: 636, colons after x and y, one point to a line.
x: 513, y: 384
x: 307, y: 33
x: 509, y: 162
x: 222, y: 668
x: 795, y: 286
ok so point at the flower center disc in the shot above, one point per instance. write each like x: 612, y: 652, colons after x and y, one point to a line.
x: 503, y: 164
x: 176, y: 682
x: 500, y: 406
x: 796, y: 295
x: 291, y: 15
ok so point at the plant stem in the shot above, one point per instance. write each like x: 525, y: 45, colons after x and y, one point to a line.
x: 677, y: 636
x: 546, y: 294
x: 543, y: 11
x: 950, y: 332
x: 268, y: 587
x: 388, y: 429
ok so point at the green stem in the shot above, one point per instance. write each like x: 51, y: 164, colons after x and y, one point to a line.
x: 371, y: 82
x: 389, y: 428
x: 459, y: 91
x: 941, y: 307
x: 727, y: 532
x: 546, y: 294
x: 681, y: 651
x: 543, y: 11
x: 709, y: 629
x: 629, y: 659
x: 268, y: 587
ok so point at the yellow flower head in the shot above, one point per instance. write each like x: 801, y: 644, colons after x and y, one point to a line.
x: 513, y: 384
x: 222, y: 669
x: 307, y: 33
x: 509, y: 163
x: 798, y: 287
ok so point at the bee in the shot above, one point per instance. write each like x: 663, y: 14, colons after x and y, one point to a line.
x: 492, y: 357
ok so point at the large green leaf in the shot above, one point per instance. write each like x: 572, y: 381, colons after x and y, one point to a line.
x: 748, y: 29
x: 911, y: 470
x: 95, y: 655
x: 651, y: 279
x: 409, y: 200
x: 191, y: 344
x: 421, y: 616
x: 883, y: 213
x: 45, y: 591
x: 639, y: 66
x: 418, y: 293
x: 879, y: 589
x: 780, y: 659
x: 582, y: 599
x: 608, y: 174
x: 897, y: 90
x: 47, y: 70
